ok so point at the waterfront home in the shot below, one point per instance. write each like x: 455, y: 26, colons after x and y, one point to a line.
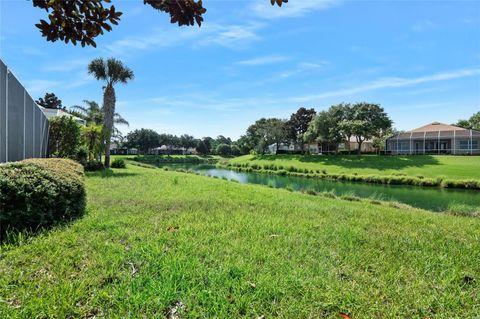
x: 435, y: 138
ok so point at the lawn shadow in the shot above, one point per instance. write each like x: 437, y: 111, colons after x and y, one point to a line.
x: 107, y: 173
x: 358, y: 161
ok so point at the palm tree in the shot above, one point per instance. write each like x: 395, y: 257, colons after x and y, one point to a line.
x: 94, y: 114
x: 111, y: 71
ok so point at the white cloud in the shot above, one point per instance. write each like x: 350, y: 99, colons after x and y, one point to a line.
x: 231, y: 36
x: 294, y: 8
x: 424, y: 26
x: 270, y: 59
x: 67, y: 65
x: 35, y: 87
x: 392, y: 82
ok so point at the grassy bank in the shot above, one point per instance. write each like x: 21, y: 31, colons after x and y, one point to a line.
x: 443, y: 171
x: 155, y: 241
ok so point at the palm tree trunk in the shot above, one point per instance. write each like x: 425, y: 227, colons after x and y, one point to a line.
x: 109, y: 109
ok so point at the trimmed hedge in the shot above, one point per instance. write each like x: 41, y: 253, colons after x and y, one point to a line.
x: 394, y: 179
x: 38, y: 193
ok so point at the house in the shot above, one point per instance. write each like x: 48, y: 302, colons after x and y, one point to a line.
x: 172, y: 150
x: 435, y: 138
x: 367, y: 146
x: 50, y: 113
x: 293, y: 148
x: 284, y: 148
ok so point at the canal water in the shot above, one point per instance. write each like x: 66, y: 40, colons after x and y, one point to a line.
x: 429, y: 198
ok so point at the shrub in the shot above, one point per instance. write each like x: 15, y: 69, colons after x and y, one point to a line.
x: 224, y: 150
x: 64, y: 137
x: 118, y: 163
x: 38, y: 193
x: 94, y: 166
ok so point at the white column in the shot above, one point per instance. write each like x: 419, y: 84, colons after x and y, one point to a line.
x: 471, y: 142
x: 424, y: 133
x: 438, y: 143
x: 454, y: 146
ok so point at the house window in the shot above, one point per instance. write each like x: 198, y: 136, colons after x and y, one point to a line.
x: 465, y: 144
x: 403, y: 146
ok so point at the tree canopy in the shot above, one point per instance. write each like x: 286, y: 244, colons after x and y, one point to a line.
x: 472, y: 123
x: 298, y: 123
x: 50, y: 101
x: 80, y: 21
x: 143, y: 139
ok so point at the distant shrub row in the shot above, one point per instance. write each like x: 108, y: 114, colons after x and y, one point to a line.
x: 37, y: 193
x: 397, y: 179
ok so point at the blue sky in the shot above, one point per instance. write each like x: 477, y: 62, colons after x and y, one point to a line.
x: 419, y: 59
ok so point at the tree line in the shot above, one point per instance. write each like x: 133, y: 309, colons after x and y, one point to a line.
x: 147, y: 139
x: 362, y: 121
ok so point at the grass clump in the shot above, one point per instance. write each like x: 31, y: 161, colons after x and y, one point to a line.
x: 463, y: 210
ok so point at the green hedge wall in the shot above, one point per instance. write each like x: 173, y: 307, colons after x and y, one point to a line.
x: 38, y: 193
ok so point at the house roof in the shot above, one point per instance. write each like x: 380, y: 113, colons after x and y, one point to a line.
x: 437, y: 130
x: 49, y: 113
x: 437, y: 126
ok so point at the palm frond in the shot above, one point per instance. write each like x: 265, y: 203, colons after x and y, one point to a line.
x: 118, y: 119
x: 98, y: 68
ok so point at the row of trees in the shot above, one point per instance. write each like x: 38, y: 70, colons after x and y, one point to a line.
x: 147, y: 139
x: 338, y: 124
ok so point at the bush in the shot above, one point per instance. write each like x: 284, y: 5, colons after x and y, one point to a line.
x: 94, y: 166
x: 118, y: 163
x: 38, y: 193
x: 224, y: 150
x: 64, y: 137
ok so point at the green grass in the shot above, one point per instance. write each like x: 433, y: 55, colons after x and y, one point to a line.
x: 154, y: 238
x: 451, y: 167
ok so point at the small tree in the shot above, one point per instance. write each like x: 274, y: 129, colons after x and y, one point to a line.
x: 234, y: 150
x: 224, y: 150
x: 92, y: 136
x: 64, y: 137
x: 50, y: 101
x: 369, y: 121
x: 297, y: 125
x: 202, y: 148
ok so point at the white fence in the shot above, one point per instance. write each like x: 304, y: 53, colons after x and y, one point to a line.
x: 23, y: 126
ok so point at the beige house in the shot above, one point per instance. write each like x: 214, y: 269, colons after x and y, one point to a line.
x: 367, y: 146
x: 435, y: 138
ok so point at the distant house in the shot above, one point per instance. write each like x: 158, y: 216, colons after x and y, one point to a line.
x: 435, y: 138
x: 50, y: 113
x: 284, y: 148
x: 172, y: 150
x: 293, y: 148
x: 115, y: 150
x: 367, y: 146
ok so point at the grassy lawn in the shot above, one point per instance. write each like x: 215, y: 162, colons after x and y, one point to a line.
x: 452, y: 167
x: 154, y: 240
